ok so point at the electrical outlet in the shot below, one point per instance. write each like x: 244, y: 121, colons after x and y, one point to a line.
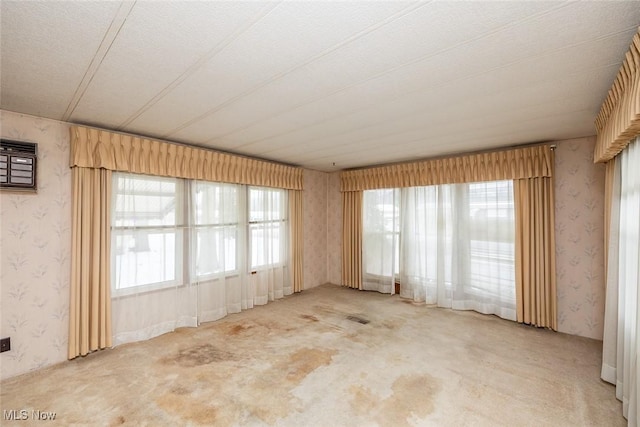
x: 5, y: 344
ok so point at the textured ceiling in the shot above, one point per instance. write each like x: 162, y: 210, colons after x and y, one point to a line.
x: 324, y: 85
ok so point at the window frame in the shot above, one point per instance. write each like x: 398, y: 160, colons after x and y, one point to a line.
x: 240, y: 191
x: 283, y: 220
x: 185, y: 231
x: 178, y: 230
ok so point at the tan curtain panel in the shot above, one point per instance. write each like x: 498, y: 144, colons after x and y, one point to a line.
x: 619, y: 119
x: 519, y: 163
x: 352, y: 239
x: 90, y: 304
x: 296, y: 240
x: 536, y: 302
x: 96, y: 148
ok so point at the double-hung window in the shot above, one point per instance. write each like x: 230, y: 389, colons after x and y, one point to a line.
x: 267, y: 227
x: 381, y: 233
x: 216, y: 228
x: 169, y: 231
x: 147, y: 232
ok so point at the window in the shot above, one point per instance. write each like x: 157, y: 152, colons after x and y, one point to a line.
x: 267, y: 227
x: 147, y: 231
x: 160, y: 225
x: 381, y: 232
x: 492, y: 239
x: 216, y: 227
x: 451, y: 245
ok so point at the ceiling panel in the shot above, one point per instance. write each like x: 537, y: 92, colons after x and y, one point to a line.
x: 275, y: 45
x: 420, y: 33
x: 46, y: 49
x: 134, y: 71
x: 468, y: 61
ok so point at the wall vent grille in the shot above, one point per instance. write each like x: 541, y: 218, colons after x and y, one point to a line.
x: 18, y: 162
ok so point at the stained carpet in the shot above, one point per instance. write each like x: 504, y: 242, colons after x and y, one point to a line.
x: 331, y: 356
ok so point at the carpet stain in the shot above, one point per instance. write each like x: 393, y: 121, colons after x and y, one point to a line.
x: 118, y: 421
x: 276, y: 383
x: 197, y: 356
x: 412, y: 395
x: 304, y: 361
x: 237, y: 329
x: 187, y: 409
x: 309, y: 317
x: 180, y: 390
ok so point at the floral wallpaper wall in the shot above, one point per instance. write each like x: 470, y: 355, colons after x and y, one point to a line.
x: 334, y: 229
x: 314, y: 205
x: 35, y: 247
x: 579, y: 238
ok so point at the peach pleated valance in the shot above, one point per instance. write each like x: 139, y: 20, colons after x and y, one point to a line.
x: 619, y: 119
x: 518, y: 163
x: 96, y: 148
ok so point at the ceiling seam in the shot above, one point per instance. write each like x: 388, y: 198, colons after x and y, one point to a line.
x: 443, y: 84
x: 393, y: 69
x: 215, y: 50
x: 278, y: 76
x: 109, y: 38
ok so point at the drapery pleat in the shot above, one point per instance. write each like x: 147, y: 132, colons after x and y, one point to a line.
x: 96, y: 148
x: 518, y: 163
x: 536, y: 302
x: 296, y: 240
x: 90, y: 303
x: 619, y: 119
x: 352, y: 239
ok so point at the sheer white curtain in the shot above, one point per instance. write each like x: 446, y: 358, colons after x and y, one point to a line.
x: 426, y: 253
x: 217, y: 241
x: 450, y: 245
x: 380, y: 239
x: 621, y: 343
x: 458, y: 247
x: 186, y: 252
x: 150, y: 293
x: 268, y: 245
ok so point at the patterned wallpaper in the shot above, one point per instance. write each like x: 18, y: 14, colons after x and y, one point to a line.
x: 334, y: 229
x: 579, y: 238
x: 314, y: 204
x: 35, y: 246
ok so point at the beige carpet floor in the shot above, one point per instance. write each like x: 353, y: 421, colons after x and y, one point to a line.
x: 310, y: 360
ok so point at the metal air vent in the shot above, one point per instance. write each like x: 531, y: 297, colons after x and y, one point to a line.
x: 18, y: 161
